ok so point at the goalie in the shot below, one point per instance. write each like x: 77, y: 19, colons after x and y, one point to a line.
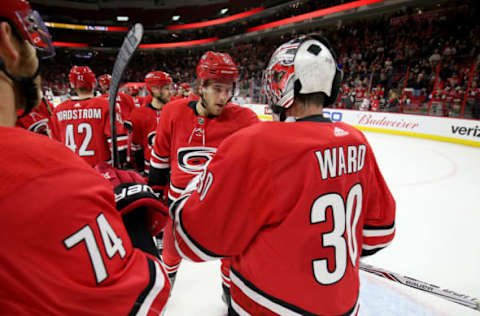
x: 294, y: 205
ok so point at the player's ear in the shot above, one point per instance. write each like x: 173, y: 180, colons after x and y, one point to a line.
x: 8, y: 50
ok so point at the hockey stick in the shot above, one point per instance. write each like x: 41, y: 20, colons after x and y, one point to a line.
x: 129, y: 45
x: 458, y: 298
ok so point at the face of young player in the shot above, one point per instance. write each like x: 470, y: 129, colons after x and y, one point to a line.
x: 216, y: 95
x: 162, y: 93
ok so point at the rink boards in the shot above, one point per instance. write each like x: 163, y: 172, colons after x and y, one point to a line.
x: 453, y: 130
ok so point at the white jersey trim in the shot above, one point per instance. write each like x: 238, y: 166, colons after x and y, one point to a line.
x: 259, y: 299
x: 163, y: 159
x: 378, y: 232
x: 238, y: 309
x: 159, y: 165
x: 268, y: 303
x: 156, y: 289
x: 191, y: 245
x: 378, y: 246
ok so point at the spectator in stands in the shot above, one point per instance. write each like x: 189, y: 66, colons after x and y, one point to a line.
x: 393, y: 103
x: 474, y: 100
x: 435, y: 58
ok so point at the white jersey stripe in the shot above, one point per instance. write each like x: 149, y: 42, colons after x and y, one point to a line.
x: 157, y: 287
x: 259, y: 299
x: 176, y: 189
x: 240, y: 311
x: 371, y: 247
x: 163, y: 159
x: 191, y: 245
x: 264, y: 301
x: 159, y: 165
x: 378, y: 232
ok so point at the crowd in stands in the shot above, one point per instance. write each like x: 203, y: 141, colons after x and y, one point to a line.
x: 410, y: 62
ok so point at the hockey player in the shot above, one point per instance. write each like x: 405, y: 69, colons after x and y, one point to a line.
x: 124, y: 101
x: 83, y: 124
x: 185, y: 89
x: 76, y: 257
x: 188, y: 136
x: 294, y: 205
x: 144, y: 119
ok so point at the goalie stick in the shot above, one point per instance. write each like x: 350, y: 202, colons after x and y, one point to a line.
x: 452, y: 296
x: 129, y: 45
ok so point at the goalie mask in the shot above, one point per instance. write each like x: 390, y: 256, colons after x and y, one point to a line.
x: 301, y: 66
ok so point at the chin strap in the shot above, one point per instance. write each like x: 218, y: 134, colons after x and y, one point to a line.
x: 28, y: 87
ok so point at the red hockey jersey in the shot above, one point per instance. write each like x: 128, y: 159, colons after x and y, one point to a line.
x: 144, y: 121
x: 37, y: 120
x: 76, y: 257
x: 294, y: 205
x: 138, y: 101
x: 124, y: 102
x: 185, y: 141
x: 84, y: 127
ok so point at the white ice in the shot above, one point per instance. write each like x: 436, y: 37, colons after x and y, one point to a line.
x: 437, y: 237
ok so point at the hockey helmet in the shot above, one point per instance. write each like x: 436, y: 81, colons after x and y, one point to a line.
x: 134, y: 90
x: 104, y: 81
x: 303, y: 65
x: 185, y: 86
x: 30, y: 25
x: 157, y: 79
x: 82, y: 77
x: 217, y: 66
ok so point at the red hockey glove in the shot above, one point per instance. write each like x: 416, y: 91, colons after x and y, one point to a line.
x: 132, y: 193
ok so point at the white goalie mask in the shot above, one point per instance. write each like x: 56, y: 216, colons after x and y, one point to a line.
x: 303, y: 65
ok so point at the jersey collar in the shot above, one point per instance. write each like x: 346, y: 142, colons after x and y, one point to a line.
x: 314, y: 118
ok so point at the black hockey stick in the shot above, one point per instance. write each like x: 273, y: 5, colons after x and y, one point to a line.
x: 129, y: 45
x: 452, y: 296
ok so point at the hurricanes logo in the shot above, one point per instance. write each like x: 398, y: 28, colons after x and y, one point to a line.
x: 194, y: 159
x: 151, y: 138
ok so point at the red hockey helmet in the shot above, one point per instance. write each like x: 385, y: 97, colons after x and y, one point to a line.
x: 217, y: 66
x: 157, y: 79
x: 134, y: 90
x: 29, y: 24
x: 104, y: 81
x: 82, y: 77
x: 185, y: 86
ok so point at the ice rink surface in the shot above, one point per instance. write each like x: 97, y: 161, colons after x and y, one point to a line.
x: 436, y: 187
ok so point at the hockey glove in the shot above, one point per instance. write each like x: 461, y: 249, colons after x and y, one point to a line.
x: 133, y: 194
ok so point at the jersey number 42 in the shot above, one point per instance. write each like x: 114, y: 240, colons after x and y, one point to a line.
x: 82, y: 128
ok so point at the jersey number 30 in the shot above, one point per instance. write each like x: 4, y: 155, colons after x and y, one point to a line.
x: 111, y: 242
x: 345, y: 217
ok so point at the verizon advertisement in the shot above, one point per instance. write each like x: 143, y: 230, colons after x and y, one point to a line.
x: 453, y: 130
